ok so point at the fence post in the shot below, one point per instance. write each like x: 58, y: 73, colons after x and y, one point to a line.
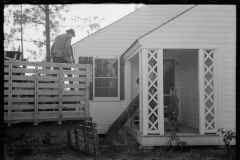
x: 60, y: 89
x: 36, y: 95
x: 10, y: 93
x: 87, y: 91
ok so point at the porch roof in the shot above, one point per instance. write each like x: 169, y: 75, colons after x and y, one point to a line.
x: 140, y: 41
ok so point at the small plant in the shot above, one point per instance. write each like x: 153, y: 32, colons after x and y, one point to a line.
x: 228, y: 136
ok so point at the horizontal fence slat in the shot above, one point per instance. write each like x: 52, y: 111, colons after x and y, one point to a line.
x: 45, y: 116
x: 47, y: 99
x: 48, y: 78
x: 23, y: 85
x: 48, y: 71
x: 80, y: 79
x: 26, y: 106
x: 23, y: 63
x: 26, y: 78
x: 74, y: 85
x: 22, y: 70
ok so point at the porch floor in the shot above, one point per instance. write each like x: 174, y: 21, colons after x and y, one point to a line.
x: 187, y: 134
x: 183, y: 130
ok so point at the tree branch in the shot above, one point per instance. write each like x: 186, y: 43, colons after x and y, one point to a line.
x: 31, y: 41
x: 65, y: 26
x: 43, y: 9
x: 35, y: 20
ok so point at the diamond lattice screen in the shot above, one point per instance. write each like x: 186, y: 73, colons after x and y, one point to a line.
x: 209, y: 90
x: 152, y: 92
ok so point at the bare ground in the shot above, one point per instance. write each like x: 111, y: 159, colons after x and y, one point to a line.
x: 118, y: 148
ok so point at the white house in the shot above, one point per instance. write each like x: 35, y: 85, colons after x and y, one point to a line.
x: 190, y: 47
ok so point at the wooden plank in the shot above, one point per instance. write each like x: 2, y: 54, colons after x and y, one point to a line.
x: 69, y: 137
x: 74, y: 92
x: 26, y: 78
x: 48, y: 78
x: 23, y: 63
x: 23, y: 85
x: 88, y: 129
x: 36, y: 96
x: 10, y: 100
x: 74, y: 85
x: 85, y: 137
x: 47, y: 85
x: 23, y: 70
x: 60, y: 94
x: 87, y: 91
x: 76, y: 138
x: 47, y: 99
x: 80, y: 79
x: 48, y: 71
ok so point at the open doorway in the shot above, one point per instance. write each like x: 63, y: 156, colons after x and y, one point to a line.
x: 181, y: 71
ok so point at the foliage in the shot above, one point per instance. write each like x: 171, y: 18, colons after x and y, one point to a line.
x: 228, y: 136
x: 44, y: 19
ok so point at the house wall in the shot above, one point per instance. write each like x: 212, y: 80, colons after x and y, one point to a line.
x: 188, y: 90
x: 208, y: 27
x: 116, y: 38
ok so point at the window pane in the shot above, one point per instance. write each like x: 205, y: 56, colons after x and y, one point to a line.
x: 98, y: 63
x: 110, y: 72
x: 98, y: 92
x: 98, y: 73
x: 166, y: 100
x: 110, y: 63
x: 98, y: 82
x: 106, y: 92
x: 113, y: 92
x: 104, y: 86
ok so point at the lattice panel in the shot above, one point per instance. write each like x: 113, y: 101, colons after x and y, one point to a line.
x: 152, y: 92
x: 209, y: 90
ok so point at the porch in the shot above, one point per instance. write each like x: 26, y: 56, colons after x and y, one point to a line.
x: 191, y: 71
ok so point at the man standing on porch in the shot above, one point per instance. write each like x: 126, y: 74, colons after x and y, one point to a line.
x: 173, y: 111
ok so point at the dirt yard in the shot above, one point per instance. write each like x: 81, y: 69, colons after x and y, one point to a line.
x: 118, y: 148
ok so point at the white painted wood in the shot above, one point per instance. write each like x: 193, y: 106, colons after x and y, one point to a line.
x: 140, y: 92
x: 144, y: 77
x: 128, y: 82
x: 160, y: 91
x: 201, y: 91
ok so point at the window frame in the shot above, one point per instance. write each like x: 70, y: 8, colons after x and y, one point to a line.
x: 106, y: 98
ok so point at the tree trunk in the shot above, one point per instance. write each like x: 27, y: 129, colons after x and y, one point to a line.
x: 47, y: 33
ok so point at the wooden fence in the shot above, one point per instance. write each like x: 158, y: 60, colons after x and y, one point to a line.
x: 40, y: 91
x: 85, y: 139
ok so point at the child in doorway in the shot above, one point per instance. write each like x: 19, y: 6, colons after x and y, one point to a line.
x: 173, y: 111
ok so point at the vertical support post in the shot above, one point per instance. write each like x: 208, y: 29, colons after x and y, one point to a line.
x: 69, y: 137
x: 144, y: 78
x: 94, y: 140
x: 216, y: 105
x: 140, y: 94
x: 60, y: 89
x: 10, y: 93
x: 201, y: 91
x: 87, y: 91
x: 128, y: 84
x: 85, y: 136
x: 160, y: 91
x: 76, y: 139
x: 36, y: 96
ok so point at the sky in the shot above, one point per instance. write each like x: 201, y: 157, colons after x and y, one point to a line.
x: 109, y: 12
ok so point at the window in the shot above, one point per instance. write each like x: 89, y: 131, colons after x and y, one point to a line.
x: 106, y: 78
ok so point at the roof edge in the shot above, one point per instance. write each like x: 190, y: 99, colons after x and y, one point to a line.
x: 169, y: 22
x: 108, y: 26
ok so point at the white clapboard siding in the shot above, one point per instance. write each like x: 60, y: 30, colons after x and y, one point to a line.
x: 105, y: 113
x: 188, y: 90
x: 210, y: 26
x: 126, y: 30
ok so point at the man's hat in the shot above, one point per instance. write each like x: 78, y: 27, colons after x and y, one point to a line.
x: 71, y: 31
